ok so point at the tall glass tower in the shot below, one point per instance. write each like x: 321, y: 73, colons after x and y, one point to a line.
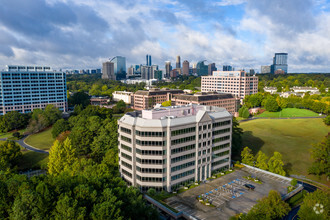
x: 280, y: 62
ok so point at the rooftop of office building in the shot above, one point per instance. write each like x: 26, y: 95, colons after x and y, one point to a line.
x: 204, y: 96
x: 156, y: 91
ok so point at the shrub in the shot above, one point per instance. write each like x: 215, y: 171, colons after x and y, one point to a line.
x: 294, y: 182
x: 327, y: 120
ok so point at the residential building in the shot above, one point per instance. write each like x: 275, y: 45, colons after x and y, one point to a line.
x: 148, y: 83
x: 271, y: 90
x: 305, y: 89
x: 227, y: 101
x: 178, y: 62
x: 122, y: 95
x: 211, y: 68
x: 280, y: 63
x: 148, y: 99
x: 185, y: 68
x: 265, y: 69
x: 238, y: 83
x: 25, y: 88
x: 108, y: 71
x: 166, y: 147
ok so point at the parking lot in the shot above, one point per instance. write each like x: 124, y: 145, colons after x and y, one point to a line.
x: 228, y: 194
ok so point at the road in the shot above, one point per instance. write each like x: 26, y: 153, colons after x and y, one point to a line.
x: 23, y: 144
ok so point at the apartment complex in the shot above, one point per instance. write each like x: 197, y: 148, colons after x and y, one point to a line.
x: 148, y: 99
x: 227, y: 101
x: 25, y: 88
x: 238, y: 83
x: 166, y: 147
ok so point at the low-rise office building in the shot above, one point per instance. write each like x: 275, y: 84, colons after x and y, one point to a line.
x: 25, y: 88
x: 148, y: 99
x: 122, y: 95
x: 99, y: 100
x: 166, y: 147
x: 227, y: 101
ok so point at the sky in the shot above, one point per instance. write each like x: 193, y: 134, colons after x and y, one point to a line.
x: 81, y: 34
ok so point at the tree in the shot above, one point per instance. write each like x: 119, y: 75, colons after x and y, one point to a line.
x: 262, y: 161
x: 51, y: 114
x: 275, y: 164
x: 327, y: 120
x: 247, y: 156
x: 315, y: 206
x: 167, y: 103
x: 271, y: 104
x: 79, y: 98
x: 244, y: 112
x: 10, y: 154
x: 236, y: 138
x: 271, y: 207
x: 37, y: 124
x: 13, y: 120
x: 60, y: 126
x: 320, y: 153
x: 61, y: 157
x: 120, y: 107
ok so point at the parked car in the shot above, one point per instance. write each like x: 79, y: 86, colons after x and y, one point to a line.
x: 249, y: 186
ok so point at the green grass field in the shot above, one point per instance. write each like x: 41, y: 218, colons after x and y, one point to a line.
x: 33, y: 160
x: 293, y: 138
x: 43, y: 140
x: 10, y: 134
x: 288, y: 112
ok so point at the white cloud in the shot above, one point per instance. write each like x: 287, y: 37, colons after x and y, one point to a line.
x: 230, y: 2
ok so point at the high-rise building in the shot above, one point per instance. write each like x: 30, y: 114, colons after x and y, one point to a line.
x: 108, y: 71
x: 25, y: 88
x: 238, y: 83
x: 202, y: 69
x: 265, y: 69
x: 130, y: 71
x: 153, y: 69
x: 227, y: 68
x: 178, y: 62
x: 148, y: 60
x: 158, y: 74
x: 146, y: 72
x: 185, y: 68
x: 167, y: 147
x: 280, y: 63
x: 168, y: 69
x: 119, y: 64
x: 211, y: 68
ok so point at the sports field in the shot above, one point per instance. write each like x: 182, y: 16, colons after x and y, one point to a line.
x: 293, y: 138
x: 43, y: 140
x: 288, y: 112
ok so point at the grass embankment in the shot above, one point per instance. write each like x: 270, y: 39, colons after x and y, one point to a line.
x: 33, y: 160
x: 293, y: 138
x: 10, y: 134
x: 288, y: 113
x: 42, y: 140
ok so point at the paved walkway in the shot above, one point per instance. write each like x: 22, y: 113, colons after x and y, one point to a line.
x: 26, y: 146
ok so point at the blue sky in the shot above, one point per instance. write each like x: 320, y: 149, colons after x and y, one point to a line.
x: 78, y: 34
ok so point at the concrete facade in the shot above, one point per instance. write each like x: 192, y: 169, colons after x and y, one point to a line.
x: 164, y: 148
x: 122, y: 95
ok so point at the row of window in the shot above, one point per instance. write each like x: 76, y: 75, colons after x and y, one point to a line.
x: 151, y: 179
x: 183, y: 149
x: 150, y: 133
x: 216, y: 140
x: 150, y: 143
x: 221, y: 131
x: 125, y: 130
x: 182, y: 166
x: 220, y: 147
x: 126, y: 164
x: 220, y: 154
x: 128, y: 157
x: 184, y: 174
x: 123, y: 138
x: 150, y: 170
x: 123, y: 146
x: 183, y: 131
x: 183, y: 140
x: 149, y: 161
x: 150, y: 152
x: 204, y: 127
x: 126, y: 173
x: 220, y: 162
x: 219, y: 124
x: 183, y: 157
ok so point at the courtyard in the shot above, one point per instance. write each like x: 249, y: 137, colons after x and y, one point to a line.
x: 227, y: 194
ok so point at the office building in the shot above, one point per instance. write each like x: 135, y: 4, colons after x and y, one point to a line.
x: 201, y: 69
x: 223, y: 100
x: 175, y: 73
x: 166, y: 147
x: 25, y: 88
x: 280, y: 63
x: 211, y: 68
x: 108, y: 71
x: 227, y: 68
x: 148, y: 60
x: 148, y: 99
x: 146, y: 72
x: 99, y: 100
x: 158, y: 74
x: 185, y: 68
x: 122, y: 95
x: 130, y: 71
x: 238, y: 83
x: 168, y: 69
x: 153, y: 69
x: 178, y: 62
x: 265, y: 69
x: 119, y: 64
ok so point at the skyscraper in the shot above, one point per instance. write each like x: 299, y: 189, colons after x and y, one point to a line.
x: 153, y: 69
x: 146, y: 72
x: 108, y: 71
x: 148, y: 60
x: 211, y: 68
x: 119, y: 64
x: 178, y: 62
x: 202, y: 69
x: 168, y: 69
x: 227, y: 68
x: 185, y: 68
x: 280, y: 63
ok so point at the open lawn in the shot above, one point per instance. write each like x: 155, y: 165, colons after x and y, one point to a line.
x: 33, y: 160
x: 288, y: 112
x: 43, y: 140
x: 293, y: 138
x: 10, y: 134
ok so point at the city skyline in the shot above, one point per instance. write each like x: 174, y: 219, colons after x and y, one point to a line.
x: 242, y: 33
